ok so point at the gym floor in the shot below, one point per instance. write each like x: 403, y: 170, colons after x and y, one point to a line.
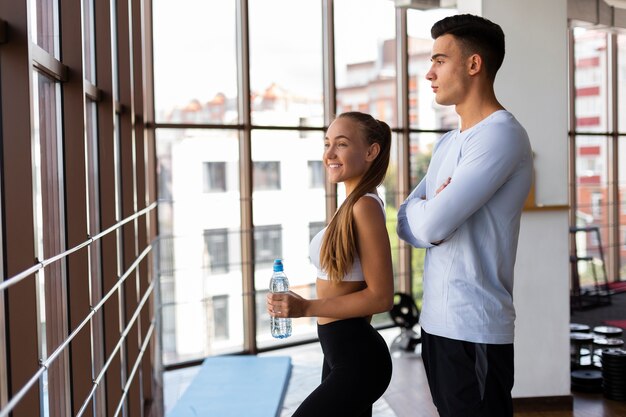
x: 408, y: 394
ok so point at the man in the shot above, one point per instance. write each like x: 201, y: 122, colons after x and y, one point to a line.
x: 466, y: 211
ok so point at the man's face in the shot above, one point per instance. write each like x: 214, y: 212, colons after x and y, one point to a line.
x: 447, y: 74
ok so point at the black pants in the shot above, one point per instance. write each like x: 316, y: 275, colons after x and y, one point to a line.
x: 468, y: 379
x: 355, y: 373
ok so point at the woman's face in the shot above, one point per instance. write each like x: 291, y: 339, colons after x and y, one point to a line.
x: 347, y: 155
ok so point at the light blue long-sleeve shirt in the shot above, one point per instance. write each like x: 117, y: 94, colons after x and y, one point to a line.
x: 468, y: 275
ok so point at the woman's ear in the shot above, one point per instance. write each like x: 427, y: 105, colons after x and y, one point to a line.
x: 372, y: 152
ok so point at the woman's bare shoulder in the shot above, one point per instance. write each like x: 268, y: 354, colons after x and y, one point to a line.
x: 367, y: 205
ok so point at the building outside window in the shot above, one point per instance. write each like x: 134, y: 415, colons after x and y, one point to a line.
x: 220, y: 317
x: 597, y: 137
x: 263, y: 319
x: 314, y: 228
x: 215, y: 255
x: 268, y: 244
x: 266, y: 175
x: 213, y: 177
x: 596, y: 204
x: 316, y: 174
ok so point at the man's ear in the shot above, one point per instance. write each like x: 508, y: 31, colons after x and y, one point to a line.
x: 474, y: 64
x: 372, y: 152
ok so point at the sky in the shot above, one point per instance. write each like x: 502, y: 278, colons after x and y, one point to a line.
x: 194, y: 43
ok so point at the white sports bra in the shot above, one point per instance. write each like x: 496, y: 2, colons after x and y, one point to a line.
x: 356, y: 273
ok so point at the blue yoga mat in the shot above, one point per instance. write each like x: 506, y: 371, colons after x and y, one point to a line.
x: 236, y: 386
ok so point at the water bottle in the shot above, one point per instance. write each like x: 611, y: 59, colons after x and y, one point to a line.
x: 281, y: 327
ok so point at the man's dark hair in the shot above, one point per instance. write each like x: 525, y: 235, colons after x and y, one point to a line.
x: 476, y: 35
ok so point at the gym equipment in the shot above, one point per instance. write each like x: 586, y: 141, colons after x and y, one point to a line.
x: 405, y: 314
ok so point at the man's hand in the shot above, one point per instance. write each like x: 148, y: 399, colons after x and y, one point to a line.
x: 444, y: 185
x: 440, y: 189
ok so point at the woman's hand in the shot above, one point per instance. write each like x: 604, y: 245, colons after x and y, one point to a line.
x: 286, y: 304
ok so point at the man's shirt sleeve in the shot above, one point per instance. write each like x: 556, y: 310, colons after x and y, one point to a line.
x: 485, y: 165
x: 403, y: 228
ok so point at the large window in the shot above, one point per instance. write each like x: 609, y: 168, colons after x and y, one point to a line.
x: 366, y: 75
x: 79, y: 209
x: 196, y: 83
x: 281, y: 217
x: 49, y: 223
x: 289, y: 33
x: 420, y: 151
x: 240, y: 144
x: 199, y: 247
x: 424, y: 112
x: 598, y: 150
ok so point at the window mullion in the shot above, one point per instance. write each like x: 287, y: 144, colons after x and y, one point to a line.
x: 245, y: 178
x: 613, y: 162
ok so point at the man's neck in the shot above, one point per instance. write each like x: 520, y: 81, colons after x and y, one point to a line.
x: 476, y: 107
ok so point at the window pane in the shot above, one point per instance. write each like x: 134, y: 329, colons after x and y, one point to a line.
x: 424, y: 112
x: 420, y: 152
x: 282, y: 217
x: 365, y: 58
x: 199, y: 248
x: 591, y: 201
x: 94, y: 251
x: 590, y: 54
x: 44, y: 25
x: 286, y: 62
x: 49, y: 227
x: 388, y: 191
x: 89, y: 40
x: 195, y: 66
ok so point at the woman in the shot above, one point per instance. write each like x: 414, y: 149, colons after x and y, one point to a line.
x: 354, y: 274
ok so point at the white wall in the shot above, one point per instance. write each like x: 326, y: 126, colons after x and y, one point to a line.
x: 532, y: 84
x: 541, y: 295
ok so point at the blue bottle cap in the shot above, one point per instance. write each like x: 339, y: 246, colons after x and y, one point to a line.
x: 278, y: 265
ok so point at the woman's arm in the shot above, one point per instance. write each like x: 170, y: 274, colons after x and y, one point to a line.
x: 375, y: 255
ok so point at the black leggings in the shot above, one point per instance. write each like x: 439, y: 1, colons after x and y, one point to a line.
x: 356, y: 371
